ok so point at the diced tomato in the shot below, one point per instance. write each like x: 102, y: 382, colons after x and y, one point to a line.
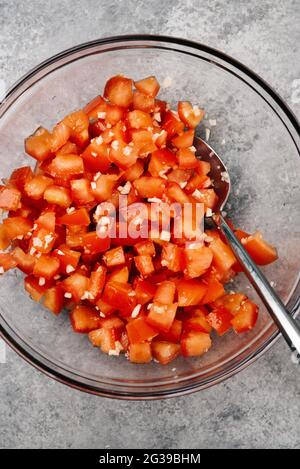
x: 54, y: 299
x: 7, y: 261
x: 139, y: 120
x: 35, y: 187
x: 77, y: 217
x: 174, y: 333
x: 4, y: 238
x: 104, y: 186
x: 134, y: 172
x: 68, y: 149
x: 20, y: 177
x: 96, y: 105
x: 25, y: 262
x: 46, y: 267
x: 81, y: 191
x: 59, y: 136
x: 85, y: 319
x: 197, y: 322
x: 123, y: 155
x: 145, y: 248
x: 118, y: 90
x: 119, y: 295
x: 172, y: 124
x: 186, y: 158
x: 31, y: 285
x: 58, y: 196
x: 95, y: 337
x: 39, y: 144
x: 68, y: 259
x: 143, y: 102
x: 161, y: 316
x: 172, y: 257
x: 144, y: 290
x: 139, y: 330
x: 195, y: 343
x: 175, y: 192
x: 246, y: 318
x: 78, y: 123
x: 148, y: 187
x: 220, y: 320
x: 42, y: 240
x: 114, y: 257
x: 184, y: 140
x: 144, y: 265
x: 143, y: 141
x: 215, y: 289
x: 197, y: 261
x: 10, y: 198
x: 208, y: 197
x: 93, y: 244
x: 76, y: 285
x: 190, y: 292
x: 149, y: 86
x: 96, y: 156
x: 46, y: 220
x: 190, y: 115
x: 164, y: 352
x: 119, y: 274
x: 97, y: 282
x: 165, y: 293
x: 66, y: 166
x: 105, y: 308
x: 223, y: 256
x: 261, y: 252
x: 161, y: 161
x: 140, y: 353
x: 197, y: 182
x: 17, y: 227
x: 231, y: 302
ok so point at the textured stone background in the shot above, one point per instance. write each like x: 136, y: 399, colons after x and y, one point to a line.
x: 259, y: 408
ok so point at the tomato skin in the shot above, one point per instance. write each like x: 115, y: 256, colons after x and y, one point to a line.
x: 164, y: 352
x: 4, y: 238
x: 194, y: 344
x: 96, y: 156
x: 186, y: 159
x: 78, y: 124
x: 140, y: 353
x: 97, y: 282
x: 245, y: 319
x: 185, y: 139
x: 172, y: 124
x: 139, y: 331
x: 25, y: 262
x: 119, y: 296
x: 197, y: 322
x: 93, y: 244
x: 220, y: 320
x: 223, y: 256
x: 85, y: 319
x: 190, y: 292
x: 261, y: 252
x: 59, y: 136
x: 31, y: 285
x: 161, y: 160
x: 10, y: 198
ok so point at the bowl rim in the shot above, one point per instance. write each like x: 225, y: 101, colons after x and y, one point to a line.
x: 182, y: 388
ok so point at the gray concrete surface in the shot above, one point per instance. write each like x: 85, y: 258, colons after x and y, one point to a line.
x: 259, y: 408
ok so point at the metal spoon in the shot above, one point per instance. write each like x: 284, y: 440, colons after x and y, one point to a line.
x: 219, y: 174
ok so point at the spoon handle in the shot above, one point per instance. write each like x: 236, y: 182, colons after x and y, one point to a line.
x: 285, y: 322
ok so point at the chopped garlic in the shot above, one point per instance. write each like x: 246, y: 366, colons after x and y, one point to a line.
x: 94, y: 154
x: 127, y: 151
x: 1, y: 270
x: 37, y: 242
x: 196, y: 111
x: 101, y: 115
x: 167, y: 82
x: 70, y: 210
x: 154, y: 200
x: 197, y: 194
x: 68, y: 295
x: 135, y: 311
x: 42, y: 281
x: 183, y: 184
x: 93, y: 185
x: 115, y: 144
x: 212, y: 122
x: 60, y: 253
x: 157, y: 116
x: 97, y: 175
x: 209, y: 212
x: 207, y: 134
x: 124, y: 190
x: 225, y: 177
x: 193, y: 149
x: 69, y: 269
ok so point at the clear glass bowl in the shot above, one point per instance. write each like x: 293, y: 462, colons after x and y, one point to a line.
x: 258, y: 138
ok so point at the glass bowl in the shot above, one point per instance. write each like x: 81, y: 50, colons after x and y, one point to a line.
x: 258, y: 138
